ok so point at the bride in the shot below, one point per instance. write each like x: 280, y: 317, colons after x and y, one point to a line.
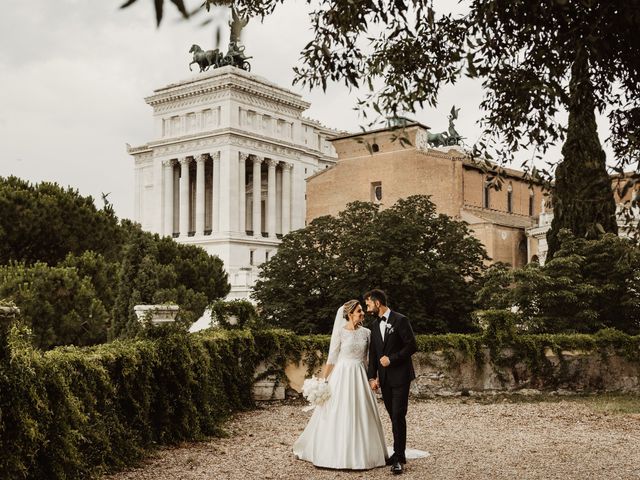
x: 345, y: 432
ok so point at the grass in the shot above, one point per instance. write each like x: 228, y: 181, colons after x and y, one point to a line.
x: 613, y: 403
x: 610, y: 403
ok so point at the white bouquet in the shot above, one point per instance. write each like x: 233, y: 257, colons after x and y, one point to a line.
x: 316, y: 391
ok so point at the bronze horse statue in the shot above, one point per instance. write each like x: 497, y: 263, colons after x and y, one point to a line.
x: 449, y: 138
x: 210, y: 58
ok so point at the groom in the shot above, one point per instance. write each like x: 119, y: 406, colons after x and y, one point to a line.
x: 390, y: 368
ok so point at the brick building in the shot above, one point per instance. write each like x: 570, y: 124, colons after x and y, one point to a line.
x: 372, y: 166
x: 626, y: 194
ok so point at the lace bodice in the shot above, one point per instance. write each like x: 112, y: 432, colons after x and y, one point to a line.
x: 351, y: 345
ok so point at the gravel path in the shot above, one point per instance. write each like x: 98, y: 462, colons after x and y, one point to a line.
x: 466, y: 439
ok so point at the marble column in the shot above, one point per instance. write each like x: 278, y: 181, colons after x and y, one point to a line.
x: 286, y: 198
x: 257, y: 196
x: 242, y: 194
x: 215, y: 194
x: 168, y: 197
x: 200, y: 162
x: 184, y: 196
x: 271, y: 197
x: 228, y: 188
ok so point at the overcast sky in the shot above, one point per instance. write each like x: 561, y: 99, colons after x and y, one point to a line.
x: 75, y: 73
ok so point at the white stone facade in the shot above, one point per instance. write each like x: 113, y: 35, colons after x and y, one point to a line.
x: 220, y: 136
x: 628, y: 219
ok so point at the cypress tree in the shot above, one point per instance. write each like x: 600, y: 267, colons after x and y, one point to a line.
x: 582, y: 196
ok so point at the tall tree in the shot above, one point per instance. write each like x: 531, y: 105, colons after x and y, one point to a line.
x: 582, y: 196
x: 159, y: 270
x: 44, y: 222
x: 426, y: 263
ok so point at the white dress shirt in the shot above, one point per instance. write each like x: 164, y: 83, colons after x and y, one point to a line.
x: 383, y: 323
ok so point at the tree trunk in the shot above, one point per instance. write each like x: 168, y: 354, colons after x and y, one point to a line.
x: 582, y: 196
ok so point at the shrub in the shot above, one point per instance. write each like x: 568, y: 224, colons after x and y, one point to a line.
x: 587, y: 286
x: 57, y: 304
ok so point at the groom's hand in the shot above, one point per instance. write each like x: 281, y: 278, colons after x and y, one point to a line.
x: 373, y: 383
x: 384, y: 361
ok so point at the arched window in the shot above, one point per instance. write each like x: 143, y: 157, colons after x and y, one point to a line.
x: 532, y: 199
x: 376, y: 192
x: 487, y: 195
x: 510, y: 198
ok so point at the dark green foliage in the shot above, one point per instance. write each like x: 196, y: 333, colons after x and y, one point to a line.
x: 582, y: 194
x: 102, y: 265
x: 58, y: 305
x: 242, y: 312
x: 158, y: 270
x: 103, y: 274
x: 424, y: 261
x: 589, y: 285
x: 44, y: 223
x: 79, y: 412
x: 493, y: 287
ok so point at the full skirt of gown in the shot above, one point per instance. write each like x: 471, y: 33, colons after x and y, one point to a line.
x: 345, y: 432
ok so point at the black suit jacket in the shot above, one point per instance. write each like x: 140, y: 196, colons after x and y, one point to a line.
x: 399, y: 344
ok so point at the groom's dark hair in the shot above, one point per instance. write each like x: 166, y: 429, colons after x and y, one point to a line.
x: 377, y: 294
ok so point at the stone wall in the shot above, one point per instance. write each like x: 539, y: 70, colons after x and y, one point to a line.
x: 450, y: 372
x: 445, y: 373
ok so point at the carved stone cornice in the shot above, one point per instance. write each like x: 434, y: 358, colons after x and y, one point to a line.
x: 214, y: 141
x: 202, y: 102
x: 266, y: 104
x: 138, y: 150
x: 430, y: 152
x: 238, y: 138
x: 145, y: 157
x: 227, y: 79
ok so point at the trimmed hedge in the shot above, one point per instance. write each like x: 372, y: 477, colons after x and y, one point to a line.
x: 80, y: 412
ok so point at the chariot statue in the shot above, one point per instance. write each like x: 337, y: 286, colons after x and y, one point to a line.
x: 448, y: 138
x: 235, y: 55
x: 210, y: 58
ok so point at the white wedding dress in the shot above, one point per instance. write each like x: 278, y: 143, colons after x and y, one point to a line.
x: 345, y: 432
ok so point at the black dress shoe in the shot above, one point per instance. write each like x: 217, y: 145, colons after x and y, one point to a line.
x: 390, y: 461
x: 396, y: 468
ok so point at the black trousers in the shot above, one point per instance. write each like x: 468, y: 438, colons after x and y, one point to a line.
x: 396, y: 401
